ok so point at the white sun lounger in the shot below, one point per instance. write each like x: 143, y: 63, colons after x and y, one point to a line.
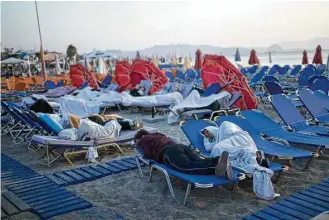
x: 52, y: 144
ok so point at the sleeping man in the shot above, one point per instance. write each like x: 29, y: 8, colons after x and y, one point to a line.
x: 243, y: 154
x: 160, y: 148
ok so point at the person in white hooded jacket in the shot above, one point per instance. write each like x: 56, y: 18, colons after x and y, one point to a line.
x: 243, y: 154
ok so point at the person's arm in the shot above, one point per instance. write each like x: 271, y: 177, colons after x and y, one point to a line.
x: 208, y: 144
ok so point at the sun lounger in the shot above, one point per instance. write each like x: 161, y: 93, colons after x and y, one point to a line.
x: 106, y: 82
x: 50, y: 84
x: 318, y: 111
x: 186, y: 88
x: 269, y: 128
x: 52, y: 144
x: 291, y: 116
x: 195, y: 181
x: 273, y: 149
x: 283, y: 70
x: 274, y: 88
x: 323, y: 97
x: 234, y: 98
x: 295, y: 71
x: 320, y: 70
x: 319, y: 83
x: 192, y: 128
x: 274, y: 70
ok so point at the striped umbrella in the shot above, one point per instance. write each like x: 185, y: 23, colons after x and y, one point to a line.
x: 237, y: 57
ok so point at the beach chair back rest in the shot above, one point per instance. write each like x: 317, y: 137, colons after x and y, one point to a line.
x: 288, y: 112
x: 61, y: 83
x: 25, y: 118
x: 170, y: 76
x: 296, y: 70
x: 113, y: 87
x: 192, y: 128
x: 107, y: 80
x: 51, y: 123
x: 34, y: 116
x: 270, y: 79
x: 258, y: 77
x: 283, y: 70
x: 259, y: 120
x: 186, y: 88
x: 273, y: 70
x: 304, y: 77
x: 50, y: 84
x: 312, y: 103
x: 234, y: 98
x: 180, y: 75
x: 273, y: 88
x: 324, y: 98
x: 147, y: 85
x: 253, y: 69
x: 239, y: 121
x: 212, y: 89
x: 320, y: 70
x: 319, y: 83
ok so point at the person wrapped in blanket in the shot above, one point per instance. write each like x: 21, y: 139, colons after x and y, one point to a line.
x: 95, y: 127
x: 162, y: 149
x: 243, y: 154
x: 137, y: 91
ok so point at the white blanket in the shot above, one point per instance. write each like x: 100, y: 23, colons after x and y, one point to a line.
x: 153, y: 100
x: 78, y: 106
x: 194, y: 100
x: 242, y: 154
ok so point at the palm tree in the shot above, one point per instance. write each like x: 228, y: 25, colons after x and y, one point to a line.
x: 71, y: 51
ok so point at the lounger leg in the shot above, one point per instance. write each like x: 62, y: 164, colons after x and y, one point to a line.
x: 3, y: 129
x: 151, y: 172
x: 235, y: 186
x: 139, y: 167
x: 309, y: 162
x: 153, y: 112
x: 188, y: 189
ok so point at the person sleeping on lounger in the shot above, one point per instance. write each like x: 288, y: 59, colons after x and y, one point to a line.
x: 231, y: 136
x: 162, y: 149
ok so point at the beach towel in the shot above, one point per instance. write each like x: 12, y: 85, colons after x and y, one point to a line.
x: 90, y: 130
x: 194, y: 100
x: 242, y: 155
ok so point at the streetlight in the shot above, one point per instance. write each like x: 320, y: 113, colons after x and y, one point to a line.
x: 44, y: 73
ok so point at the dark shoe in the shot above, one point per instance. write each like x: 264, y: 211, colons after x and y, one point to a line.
x: 259, y: 156
x: 221, y: 166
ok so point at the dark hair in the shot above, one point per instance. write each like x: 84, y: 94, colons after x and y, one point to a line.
x: 140, y: 133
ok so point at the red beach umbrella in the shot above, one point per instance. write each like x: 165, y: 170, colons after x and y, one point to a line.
x: 317, y: 59
x: 253, y: 59
x: 305, y: 58
x: 198, y: 60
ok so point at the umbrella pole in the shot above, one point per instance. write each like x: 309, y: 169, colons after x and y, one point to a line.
x: 43, y: 65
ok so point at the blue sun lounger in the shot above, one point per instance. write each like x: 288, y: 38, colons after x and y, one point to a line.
x: 272, y: 149
x: 269, y: 128
x: 304, y: 204
x: 195, y: 181
x: 319, y: 112
x: 323, y: 97
x: 192, y: 128
x: 291, y: 116
x: 295, y: 71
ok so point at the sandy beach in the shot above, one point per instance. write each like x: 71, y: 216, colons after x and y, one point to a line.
x: 126, y: 195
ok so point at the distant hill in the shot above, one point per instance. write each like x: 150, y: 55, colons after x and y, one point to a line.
x: 185, y: 49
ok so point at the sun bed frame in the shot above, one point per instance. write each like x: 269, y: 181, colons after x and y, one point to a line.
x: 193, y: 181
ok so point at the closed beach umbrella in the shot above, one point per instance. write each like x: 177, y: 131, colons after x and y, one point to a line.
x: 155, y: 60
x: 237, y: 57
x: 305, y: 58
x: 187, y: 63
x: 270, y: 57
x: 317, y: 59
x: 58, y: 68
x: 253, y: 58
x: 328, y: 63
x: 198, y: 60
x: 138, y: 56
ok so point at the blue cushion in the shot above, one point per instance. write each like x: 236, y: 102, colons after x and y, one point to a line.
x: 54, y: 125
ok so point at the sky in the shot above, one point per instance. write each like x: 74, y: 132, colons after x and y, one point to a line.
x: 138, y: 25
